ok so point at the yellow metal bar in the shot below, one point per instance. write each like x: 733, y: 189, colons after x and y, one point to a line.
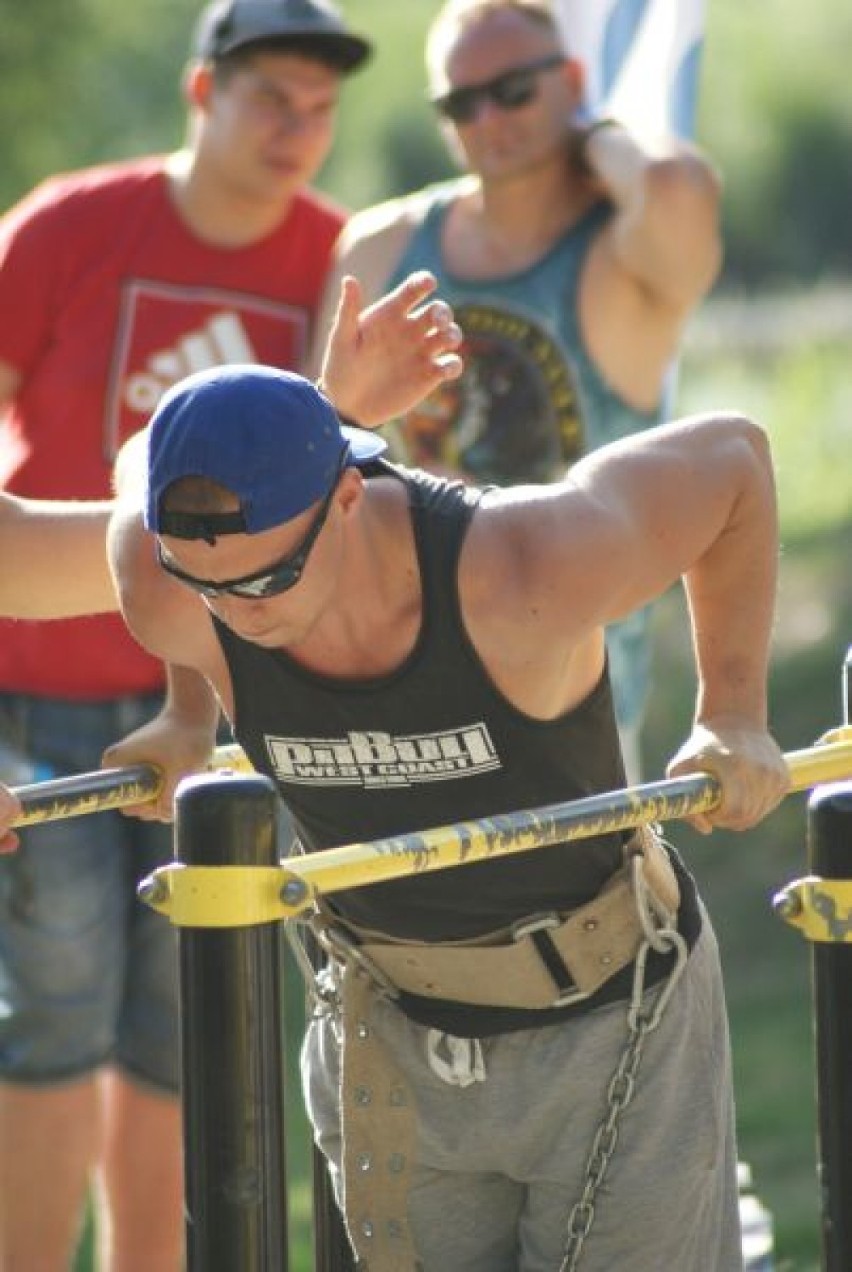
x: 103, y: 789
x: 356, y: 865
x: 830, y: 760
x: 821, y: 909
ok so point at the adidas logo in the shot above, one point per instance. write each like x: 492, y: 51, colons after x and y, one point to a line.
x: 221, y: 340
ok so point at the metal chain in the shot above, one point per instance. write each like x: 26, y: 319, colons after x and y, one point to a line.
x: 641, y: 1020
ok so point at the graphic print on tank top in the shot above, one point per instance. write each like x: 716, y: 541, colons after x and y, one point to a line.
x: 371, y: 759
x: 513, y: 415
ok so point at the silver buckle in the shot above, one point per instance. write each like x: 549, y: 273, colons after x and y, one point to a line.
x: 338, y: 942
x: 538, y: 923
x: 544, y: 923
x: 653, y: 917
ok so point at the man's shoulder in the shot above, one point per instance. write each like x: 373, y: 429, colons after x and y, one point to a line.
x: 318, y: 209
x: 94, y: 189
x: 403, y: 213
x: 374, y: 241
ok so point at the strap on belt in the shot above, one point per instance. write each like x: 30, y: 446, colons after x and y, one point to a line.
x: 378, y: 1132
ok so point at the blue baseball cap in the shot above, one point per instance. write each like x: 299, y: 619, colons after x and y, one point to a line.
x: 271, y: 437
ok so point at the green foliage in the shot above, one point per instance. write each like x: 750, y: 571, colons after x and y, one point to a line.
x: 132, y: 104
x: 38, y: 88
x: 776, y: 113
x: 803, y: 396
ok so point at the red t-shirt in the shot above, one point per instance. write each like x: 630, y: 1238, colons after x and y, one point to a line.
x: 106, y: 299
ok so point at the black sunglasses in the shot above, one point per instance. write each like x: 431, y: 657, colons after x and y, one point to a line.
x: 510, y: 90
x: 279, y: 577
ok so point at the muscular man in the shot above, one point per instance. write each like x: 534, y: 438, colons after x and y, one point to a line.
x: 572, y: 255
x: 397, y: 651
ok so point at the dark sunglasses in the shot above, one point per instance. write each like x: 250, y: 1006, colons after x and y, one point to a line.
x: 511, y: 90
x: 279, y: 577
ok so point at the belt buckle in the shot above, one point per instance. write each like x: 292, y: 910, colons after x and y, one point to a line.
x: 339, y: 943
x: 545, y: 923
x: 654, y: 920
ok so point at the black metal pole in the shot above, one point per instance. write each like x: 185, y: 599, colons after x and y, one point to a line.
x: 830, y: 856
x: 232, y: 1062
x: 332, y: 1251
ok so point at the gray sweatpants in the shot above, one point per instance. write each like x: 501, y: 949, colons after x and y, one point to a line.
x: 501, y: 1161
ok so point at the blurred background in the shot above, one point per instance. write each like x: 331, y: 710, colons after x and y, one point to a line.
x: 82, y: 81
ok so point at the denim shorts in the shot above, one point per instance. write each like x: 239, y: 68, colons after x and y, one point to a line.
x: 88, y: 973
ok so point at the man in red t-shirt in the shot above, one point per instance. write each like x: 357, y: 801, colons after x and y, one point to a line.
x: 115, y: 283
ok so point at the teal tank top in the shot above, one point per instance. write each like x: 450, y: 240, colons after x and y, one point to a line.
x: 530, y: 400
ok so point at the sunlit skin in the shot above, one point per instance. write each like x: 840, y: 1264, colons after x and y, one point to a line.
x: 503, y: 144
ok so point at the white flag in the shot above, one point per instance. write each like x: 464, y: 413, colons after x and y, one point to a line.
x: 642, y: 60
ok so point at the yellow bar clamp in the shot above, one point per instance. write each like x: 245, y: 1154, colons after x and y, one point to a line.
x: 217, y: 896
x: 820, y: 908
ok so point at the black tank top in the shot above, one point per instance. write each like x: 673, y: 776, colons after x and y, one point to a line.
x: 431, y: 743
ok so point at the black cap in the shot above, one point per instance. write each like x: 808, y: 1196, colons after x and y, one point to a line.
x: 228, y: 25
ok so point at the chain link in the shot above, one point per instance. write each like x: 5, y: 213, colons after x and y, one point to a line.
x: 642, y: 1019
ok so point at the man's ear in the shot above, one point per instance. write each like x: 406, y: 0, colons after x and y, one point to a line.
x: 575, y: 76
x: 198, y: 85
x: 350, y: 490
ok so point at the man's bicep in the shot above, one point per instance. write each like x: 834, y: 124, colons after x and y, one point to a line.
x: 650, y: 507
x: 672, y: 245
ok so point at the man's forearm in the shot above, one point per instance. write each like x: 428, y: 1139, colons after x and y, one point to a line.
x: 191, y: 701
x: 54, y: 562
x: 615, y: 158
x: 665, y: 229
x: 731, y: 593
